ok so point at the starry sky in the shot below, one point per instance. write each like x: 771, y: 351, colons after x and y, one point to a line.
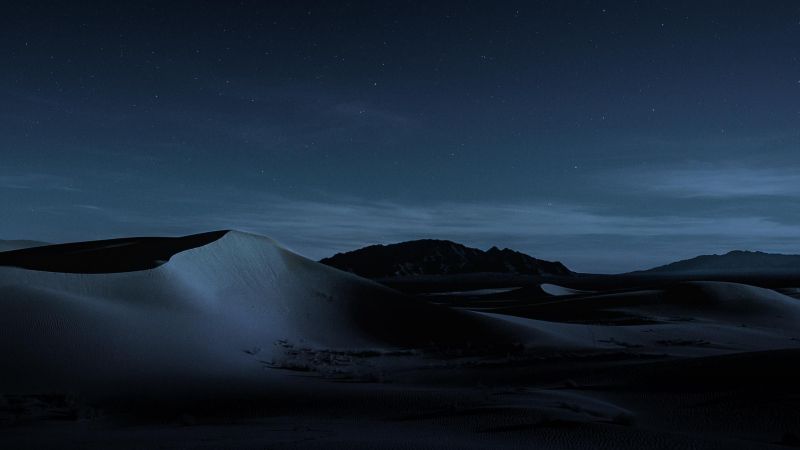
x: 612, y: 136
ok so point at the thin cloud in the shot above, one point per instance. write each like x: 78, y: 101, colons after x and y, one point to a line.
x: 720, y: 183
x: 37, y: 181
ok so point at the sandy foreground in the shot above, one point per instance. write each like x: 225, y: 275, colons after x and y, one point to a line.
x: 229, y: 341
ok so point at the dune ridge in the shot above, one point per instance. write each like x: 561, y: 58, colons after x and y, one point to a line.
x: 202, y: 314
x: 105, y: 256
x: 17, y: 244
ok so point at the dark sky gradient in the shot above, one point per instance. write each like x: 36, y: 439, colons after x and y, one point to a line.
x: 612, y: 136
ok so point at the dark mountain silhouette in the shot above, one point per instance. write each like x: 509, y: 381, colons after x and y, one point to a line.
x: 439, y: 257
x: 735, y: 261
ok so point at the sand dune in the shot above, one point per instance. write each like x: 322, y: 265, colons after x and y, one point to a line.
x: 710, y: 300
x: 236, y: 329
x: 556, y: 290
x: 208, y: 312
x: 734, y: 301
x: 106, y: 256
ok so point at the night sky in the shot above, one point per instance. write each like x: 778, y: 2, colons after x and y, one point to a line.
x: 609, y: 135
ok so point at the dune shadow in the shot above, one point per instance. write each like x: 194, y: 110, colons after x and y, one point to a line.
x: 106, y: 256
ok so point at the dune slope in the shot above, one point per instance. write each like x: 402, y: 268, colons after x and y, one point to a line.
x: 16, y: 244
x: 215, y: 310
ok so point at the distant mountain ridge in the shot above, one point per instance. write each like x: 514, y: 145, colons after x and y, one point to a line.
x: 439, y: 257
x: 734, y: 261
